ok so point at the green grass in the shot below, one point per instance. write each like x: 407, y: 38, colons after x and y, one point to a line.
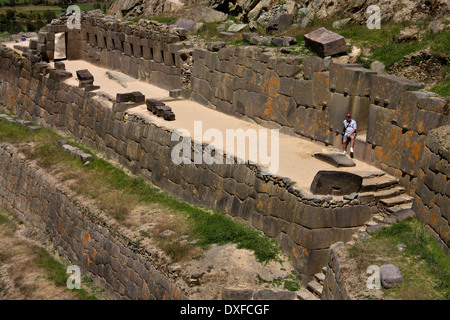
x: 443, y: 88
x: 56, y: 272
x: 208, y: 227
x: 12, y: 133
x: 290, y: 283
x: 423, y: 264
x: 3, y: 219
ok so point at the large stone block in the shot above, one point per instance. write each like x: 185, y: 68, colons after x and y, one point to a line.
x: 390, y: 276
x: 203, y: 88
x: 335, y: 183
x: 325, y: 43
x: 303, y: 92
x: 312, y: 65
x: 84, y: 75
x: 249, y: 103
x: 305, y: 120
x: 387, y: 90
x: 412, y: 148
x: 352, y: 216
x: 321, y: 94
x: 378, y: 122
x: 315, y: 217
x: 311, y: 238
x: 280, y: 22
x: 351, y: 79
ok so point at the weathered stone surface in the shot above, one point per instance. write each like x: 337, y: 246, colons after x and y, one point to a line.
x: 284, y: 41
x: 246, y: 36
x: 237, y: 294
x: 280, y: 22
x: 135, y: 96
x: 236, y: 27
x: 325, y: 43
x: 335, y: 159
x: 152, y: 103
x: 390, y: 276
x: 215, y: 46
x: 188, y: 24
x: 350, y: 216
x: 335, y: 183
x: 84, y: 75
x: 168, y: 115
x: 274, y: 295
x: 161, y: 109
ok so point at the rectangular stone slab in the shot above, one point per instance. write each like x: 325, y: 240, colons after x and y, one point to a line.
x: 84, y: 74
x: 152, y: 103
x: 137, y: 97
x: 161, y: 109
x: 325, y: 43
x: 169, y: 115
x: 335, y: 159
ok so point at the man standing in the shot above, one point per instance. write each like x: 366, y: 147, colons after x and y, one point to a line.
x: 349, y: 134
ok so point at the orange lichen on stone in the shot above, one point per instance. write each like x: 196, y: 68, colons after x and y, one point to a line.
x: 87, y: 237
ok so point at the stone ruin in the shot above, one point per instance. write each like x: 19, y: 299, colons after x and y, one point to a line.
x: 304, y: 96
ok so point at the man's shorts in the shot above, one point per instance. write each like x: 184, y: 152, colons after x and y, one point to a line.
x: 346, y: 136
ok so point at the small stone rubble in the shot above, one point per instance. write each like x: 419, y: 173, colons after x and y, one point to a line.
x: 74, y: 151
x: 28, y: 124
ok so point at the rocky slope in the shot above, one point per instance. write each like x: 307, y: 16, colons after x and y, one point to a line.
x: 261, y: 10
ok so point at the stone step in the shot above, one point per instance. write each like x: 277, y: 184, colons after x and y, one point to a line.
x: 398, y: 200
x: 320, y: 277
x: 400, y: 207
x: 378, y: 183
x: 304, y: 294
x: 324, y: 270
x: 388, y: 193
x: 315, y: 287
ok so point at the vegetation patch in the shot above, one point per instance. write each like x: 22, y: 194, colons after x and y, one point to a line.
x: 41, y: 261
x: 424, y: 266
x: 56, y: 272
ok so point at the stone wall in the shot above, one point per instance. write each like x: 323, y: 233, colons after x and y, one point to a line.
x: 432, y: 197
x: 148, y: 51
x: 305, y: 226
x: 310, y: 96
x: 124, y: 271
x: 335, y: 286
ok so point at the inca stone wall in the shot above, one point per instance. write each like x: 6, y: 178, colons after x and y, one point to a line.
x: 310, y: 96
x: 304, y: 226
x: 432, y: 196
x: 335, y: 286
x: 124, y: 271
x: 147, y: 51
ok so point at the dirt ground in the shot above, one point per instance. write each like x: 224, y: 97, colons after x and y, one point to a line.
x: 21, y: 278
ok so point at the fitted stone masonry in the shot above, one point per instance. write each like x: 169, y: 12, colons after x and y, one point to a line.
x: 304, y: 96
